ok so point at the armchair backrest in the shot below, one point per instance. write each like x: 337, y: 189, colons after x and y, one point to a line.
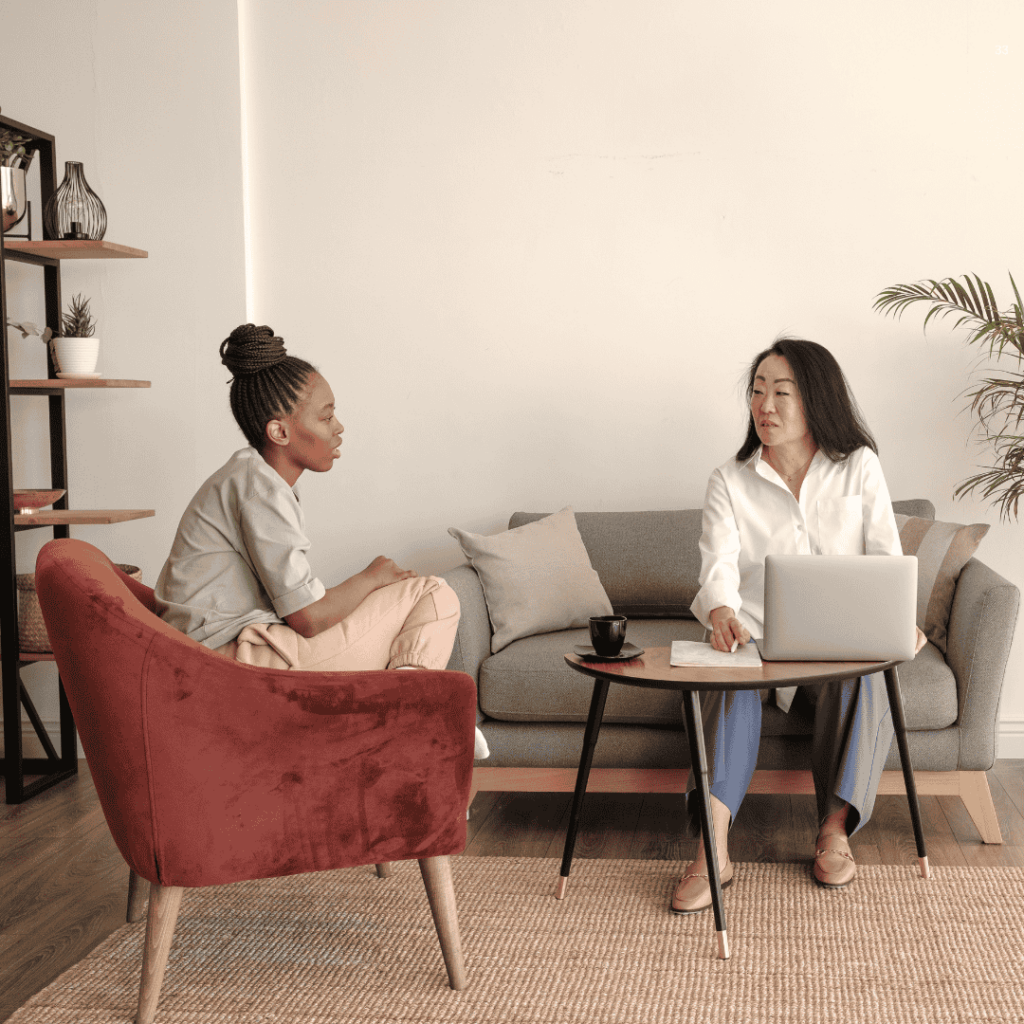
x: 209, y: 771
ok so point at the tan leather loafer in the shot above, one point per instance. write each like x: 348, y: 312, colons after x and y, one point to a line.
x: 834, y: 865
x: 693, y: 893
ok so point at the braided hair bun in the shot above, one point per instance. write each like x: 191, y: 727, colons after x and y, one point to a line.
x: 266, y: 383
x: 249, y: 349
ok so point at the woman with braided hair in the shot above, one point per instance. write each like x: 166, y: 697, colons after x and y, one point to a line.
x: 238, y: 579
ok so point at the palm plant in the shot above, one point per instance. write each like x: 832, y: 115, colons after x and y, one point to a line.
x: 997, y: 401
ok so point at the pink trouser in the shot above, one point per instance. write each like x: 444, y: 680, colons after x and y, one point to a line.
x: 412, y: 622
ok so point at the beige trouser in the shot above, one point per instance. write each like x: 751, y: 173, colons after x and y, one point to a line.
x: 412, y: 622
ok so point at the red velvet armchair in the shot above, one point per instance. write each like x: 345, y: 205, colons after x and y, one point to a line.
x: 211, y: 772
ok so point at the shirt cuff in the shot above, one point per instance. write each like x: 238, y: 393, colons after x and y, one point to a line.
x: 302, y: 597
x: 712, y: 596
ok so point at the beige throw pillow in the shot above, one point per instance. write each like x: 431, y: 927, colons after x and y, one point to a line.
x: 536, y: 578
x: 942, y: 550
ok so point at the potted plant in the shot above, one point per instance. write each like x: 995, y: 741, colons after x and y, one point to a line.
x: 997, y: 401
x: 16, y: 152
x: 76, y: 349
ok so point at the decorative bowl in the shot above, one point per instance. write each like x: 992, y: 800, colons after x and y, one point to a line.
x: 27, y: 502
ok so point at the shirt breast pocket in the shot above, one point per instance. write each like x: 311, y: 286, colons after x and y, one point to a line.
x: 841, y: 526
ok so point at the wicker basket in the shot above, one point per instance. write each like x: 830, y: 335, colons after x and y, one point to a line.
x: 31, y: 629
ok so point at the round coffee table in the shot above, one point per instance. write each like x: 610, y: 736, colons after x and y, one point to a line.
x: 652, y: 669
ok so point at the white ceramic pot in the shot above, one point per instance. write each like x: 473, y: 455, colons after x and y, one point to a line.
x: 76, y: 356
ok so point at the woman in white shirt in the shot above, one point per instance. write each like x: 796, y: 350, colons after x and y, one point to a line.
x: 806, y: 480
x: 238, y: 579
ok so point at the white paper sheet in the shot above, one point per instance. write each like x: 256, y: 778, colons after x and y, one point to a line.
x: 690, y: 652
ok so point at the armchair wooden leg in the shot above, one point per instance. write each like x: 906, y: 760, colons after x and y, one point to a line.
x: 437, y: 880
x: 385, y: 870
x: 138, y: 894
x: 164, y: 904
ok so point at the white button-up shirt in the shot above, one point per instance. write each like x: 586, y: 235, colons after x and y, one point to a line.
x: 749, y: 512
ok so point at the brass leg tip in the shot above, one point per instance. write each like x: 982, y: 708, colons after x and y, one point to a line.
x: 563, y: 881
x: 723, y: 945
x: 925, y: 870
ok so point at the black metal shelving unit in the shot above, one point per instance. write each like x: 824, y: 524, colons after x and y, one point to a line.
x: 63, y: 763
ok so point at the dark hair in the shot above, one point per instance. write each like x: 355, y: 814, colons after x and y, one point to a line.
x: 267, y: 382
x: 832, y: 415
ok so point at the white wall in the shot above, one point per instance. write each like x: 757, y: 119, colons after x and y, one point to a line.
x: 531, y: 243
x: 149, y: 102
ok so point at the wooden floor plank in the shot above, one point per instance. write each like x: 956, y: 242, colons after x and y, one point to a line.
x: 519, y: 825
x: 1010, y: 774
x: 977, y: 853
x: 660, y: 830
x: 1007, y: 791
x: 607, y: 828
x: 763, y: 826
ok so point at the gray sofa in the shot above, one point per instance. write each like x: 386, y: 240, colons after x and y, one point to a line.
x: 534, y: 706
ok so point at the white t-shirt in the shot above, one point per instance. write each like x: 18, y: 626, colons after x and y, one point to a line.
x: 749, y: 512
x: 239, y: 555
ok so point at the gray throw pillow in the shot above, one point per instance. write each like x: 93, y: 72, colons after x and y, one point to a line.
x: 537, y: 578
x: 942, y: 550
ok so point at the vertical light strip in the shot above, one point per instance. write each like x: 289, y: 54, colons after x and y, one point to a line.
x: 244, y: 49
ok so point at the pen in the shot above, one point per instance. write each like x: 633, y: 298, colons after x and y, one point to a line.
x: 735, y: 644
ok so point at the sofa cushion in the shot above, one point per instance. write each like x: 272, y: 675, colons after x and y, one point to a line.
x: 529, y: 681
x: 649, y: 562
x: 942, y: 550
x: 535, y: 578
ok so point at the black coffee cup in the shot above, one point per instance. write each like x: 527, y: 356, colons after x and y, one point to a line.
x: 608, y: 634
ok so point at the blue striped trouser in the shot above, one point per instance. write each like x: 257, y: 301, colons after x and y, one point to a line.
x: 852, y: 734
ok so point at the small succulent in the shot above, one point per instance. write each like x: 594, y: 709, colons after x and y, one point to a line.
x: 78, y: 322
x: 16, y: 150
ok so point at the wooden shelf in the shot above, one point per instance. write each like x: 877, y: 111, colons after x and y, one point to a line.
x: 76, y: 250
x: 26, y: 656
x: 56, y: 384
x: 79, y: 517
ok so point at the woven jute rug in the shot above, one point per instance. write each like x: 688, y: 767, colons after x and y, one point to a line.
x: 345, y: 946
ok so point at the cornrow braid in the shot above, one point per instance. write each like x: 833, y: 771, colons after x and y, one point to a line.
x: 267, y: 383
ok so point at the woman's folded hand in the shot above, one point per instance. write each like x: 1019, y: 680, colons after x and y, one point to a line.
x: 382, y: 572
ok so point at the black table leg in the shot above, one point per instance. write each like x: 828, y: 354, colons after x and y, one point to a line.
x: 586, y: 760
x: 892, y: 685
x: 699, y: 767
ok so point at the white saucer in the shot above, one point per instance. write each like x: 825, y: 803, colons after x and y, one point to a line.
x: 79, y: 376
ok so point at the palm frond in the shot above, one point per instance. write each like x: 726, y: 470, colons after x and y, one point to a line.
x: 996, y: 402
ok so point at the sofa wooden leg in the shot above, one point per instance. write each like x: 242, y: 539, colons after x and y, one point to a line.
x: 977, y: 798
x: 384, y: 870
x: 138, y: 894
x: 437, y: 880
x: 164, y: 903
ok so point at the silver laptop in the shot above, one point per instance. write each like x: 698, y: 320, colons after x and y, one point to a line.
x: 839, y: 608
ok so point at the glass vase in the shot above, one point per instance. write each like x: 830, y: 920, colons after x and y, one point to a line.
x: 74, y: 210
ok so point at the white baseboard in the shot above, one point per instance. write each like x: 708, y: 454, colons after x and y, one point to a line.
x: 1011, y: 738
